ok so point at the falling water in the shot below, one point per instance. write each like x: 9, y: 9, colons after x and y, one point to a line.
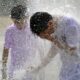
x: 54, y: 7
x: 59, y: 7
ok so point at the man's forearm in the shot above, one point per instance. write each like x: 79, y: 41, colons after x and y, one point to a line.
x: 5, y: 56
x: 49, y: 57
x: 45, y: 61
x: 4, y: 63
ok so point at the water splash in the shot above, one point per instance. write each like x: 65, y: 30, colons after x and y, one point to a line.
x: 59, y: 7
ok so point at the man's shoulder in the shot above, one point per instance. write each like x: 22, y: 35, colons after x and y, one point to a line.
x: 10, y: 28
x: 69, y: 19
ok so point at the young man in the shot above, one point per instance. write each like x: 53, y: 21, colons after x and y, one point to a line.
x: 19, y: 51
x: 64, y: 33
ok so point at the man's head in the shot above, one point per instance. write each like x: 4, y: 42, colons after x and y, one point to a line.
x: 41, y: 24
x: 18, y: 15
x: 18, y: 12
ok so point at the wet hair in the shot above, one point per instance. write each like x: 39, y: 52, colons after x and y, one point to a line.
x: 39, y: 21
x: 18, y: 12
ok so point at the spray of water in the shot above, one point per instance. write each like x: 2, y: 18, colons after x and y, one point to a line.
x: 54, y: 7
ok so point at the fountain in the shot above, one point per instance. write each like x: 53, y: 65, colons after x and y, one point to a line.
x: 59, y: 7
x: 55, y: 7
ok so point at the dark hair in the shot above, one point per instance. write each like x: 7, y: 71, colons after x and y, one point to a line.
x: 39, y: 21
x: 18, y: 12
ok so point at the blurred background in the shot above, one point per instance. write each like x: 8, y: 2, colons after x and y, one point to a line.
x: 60, y: 7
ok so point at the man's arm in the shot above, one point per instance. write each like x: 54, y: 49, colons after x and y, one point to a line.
x: 45, y: 60
x: 69, y: 49
x: 5, y: 55
x: 4, y: 62
x: 54, y: 50
x: 71, y: 38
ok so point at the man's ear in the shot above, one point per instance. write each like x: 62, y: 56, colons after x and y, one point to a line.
x: 49, y: 23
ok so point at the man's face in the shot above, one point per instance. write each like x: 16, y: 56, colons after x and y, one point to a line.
x: 51, y: 29
x: 20, y: 23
